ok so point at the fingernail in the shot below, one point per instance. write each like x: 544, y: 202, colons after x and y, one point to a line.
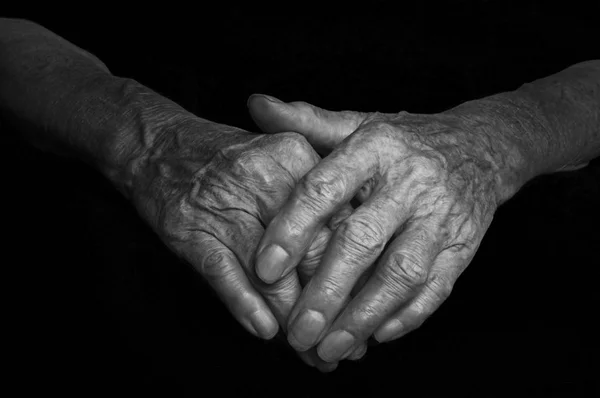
x: 357, y: 353
x: 389, y: 331
x: 272, y: 99
x: 271, y: 263
x: 264, y: 324
x: 306, y: 357
x: 335, y: 345
x: 328, y: 367
x: 306, y: 329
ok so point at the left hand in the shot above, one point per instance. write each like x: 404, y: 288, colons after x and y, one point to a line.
x: 429, y: 184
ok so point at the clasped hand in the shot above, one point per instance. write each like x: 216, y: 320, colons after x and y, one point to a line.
x: 269, y: 225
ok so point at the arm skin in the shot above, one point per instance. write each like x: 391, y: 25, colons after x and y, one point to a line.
x: 206, y: 189
x: 553, y: 122
x: 66, y: 101
x: 429, y: 184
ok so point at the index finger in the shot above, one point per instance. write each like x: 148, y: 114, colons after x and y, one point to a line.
x: 320, y: 194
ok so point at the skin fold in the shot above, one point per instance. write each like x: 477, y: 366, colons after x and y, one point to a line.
x: 222, y: 198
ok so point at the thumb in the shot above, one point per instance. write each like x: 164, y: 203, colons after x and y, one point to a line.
x: 322, y: 128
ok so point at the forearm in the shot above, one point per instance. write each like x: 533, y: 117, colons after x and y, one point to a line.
x: 65, y: 100
x: 551, y: 124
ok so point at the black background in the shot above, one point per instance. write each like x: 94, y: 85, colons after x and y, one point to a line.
x: 97, y: 305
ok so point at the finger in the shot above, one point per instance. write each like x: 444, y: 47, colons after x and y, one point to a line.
x: 356, y: 244
x: 358, y: 352
x: 241, y: 238
x: 220, y: 268
x: 369, y: 272
x: 322, y: 128
x: 319, y: 195
x: 306, y: 270
x: 413, y: 315
x: 310, y: 262
x: 312, y: 359
x: 399, y: 276
x: 443, y: 276
x: 312, y: 259
x: 281, y: 297
x: 362, y: 280
x: 293, y: 154
x: 340, y: 216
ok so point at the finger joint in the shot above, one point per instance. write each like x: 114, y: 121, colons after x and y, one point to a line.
x: 405, y: 269
x: 361, y: 238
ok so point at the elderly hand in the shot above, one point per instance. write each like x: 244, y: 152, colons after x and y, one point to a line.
x: 208, y: 190
x: 429, y: 184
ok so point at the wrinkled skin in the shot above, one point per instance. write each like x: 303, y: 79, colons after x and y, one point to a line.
x: 429, y: 187
x: 208, y: 190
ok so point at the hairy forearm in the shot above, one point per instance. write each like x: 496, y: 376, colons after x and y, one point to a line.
x: 65, y: 100
x: 551, y: 124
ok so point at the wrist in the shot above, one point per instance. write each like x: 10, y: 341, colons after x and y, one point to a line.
x: 140, y: 121
x: 492, y: 126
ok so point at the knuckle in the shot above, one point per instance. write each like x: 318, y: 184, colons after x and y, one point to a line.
x: 405, y: 269
x: 375, y: 131
x: 427, y: 167
x: 318, y: 245
x: 213, y: 266
x: 333, y: 290
x: 377, y: 124
x: 383, y: 126
x: 281, y: 293
x: 365, y: 314
x: 244, y: 161
x: 320, y: 187
x: 293, y: 140
x: 361, y: 237
x: 294, y: 146
x: 238, y: 162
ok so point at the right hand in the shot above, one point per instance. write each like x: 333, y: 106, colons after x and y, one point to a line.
x: 208, y: 190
